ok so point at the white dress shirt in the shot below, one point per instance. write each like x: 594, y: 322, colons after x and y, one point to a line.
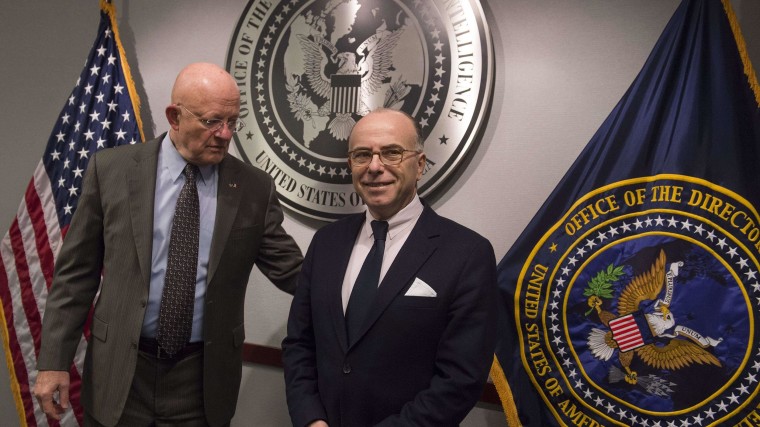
x: 399, y: 228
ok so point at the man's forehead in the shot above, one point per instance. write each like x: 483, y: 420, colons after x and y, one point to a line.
x: 388, y: 133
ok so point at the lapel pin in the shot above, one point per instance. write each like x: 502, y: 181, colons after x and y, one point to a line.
x: 233, y: 185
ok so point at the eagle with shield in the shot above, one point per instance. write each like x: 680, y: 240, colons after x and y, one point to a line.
x: 651, y: 334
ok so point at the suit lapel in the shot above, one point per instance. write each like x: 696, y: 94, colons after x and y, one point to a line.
x: 229, y: 192
x: 343, y: 246
x: 141, y: 178
x: 419, y: 246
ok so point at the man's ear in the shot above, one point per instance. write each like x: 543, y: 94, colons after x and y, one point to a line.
x: 420, y: 165
x: 172, y: 116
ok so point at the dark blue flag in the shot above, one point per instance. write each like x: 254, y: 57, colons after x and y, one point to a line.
x: 631, y: 298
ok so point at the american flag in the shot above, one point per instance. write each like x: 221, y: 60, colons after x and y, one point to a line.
x: 102, y: 112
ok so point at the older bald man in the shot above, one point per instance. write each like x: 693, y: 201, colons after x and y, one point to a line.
x: 172, y: 229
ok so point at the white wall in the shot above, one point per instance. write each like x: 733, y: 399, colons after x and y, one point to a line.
x: 561, y: 66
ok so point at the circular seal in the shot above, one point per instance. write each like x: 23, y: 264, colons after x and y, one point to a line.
x: 637, y: 307
x: 309, y: 69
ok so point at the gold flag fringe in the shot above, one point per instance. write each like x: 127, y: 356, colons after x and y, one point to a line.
x: 740, y: 44
x: 15, y: 390
x: 505, y: 394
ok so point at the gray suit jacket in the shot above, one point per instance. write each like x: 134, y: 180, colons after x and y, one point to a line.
x: 111, y: 233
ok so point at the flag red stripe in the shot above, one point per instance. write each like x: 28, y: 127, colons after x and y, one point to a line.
x: 627, y: 320
x: 37, y: 216
x: 628, y: 341
x: 28, y: 300
x: 630, y: 347
x: 19, y: 368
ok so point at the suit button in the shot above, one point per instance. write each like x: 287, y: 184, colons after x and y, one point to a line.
x: 346, y: 368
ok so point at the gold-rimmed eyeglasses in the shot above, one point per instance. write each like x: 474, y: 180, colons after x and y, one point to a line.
x: 390, y: 156
x: 215, y: 125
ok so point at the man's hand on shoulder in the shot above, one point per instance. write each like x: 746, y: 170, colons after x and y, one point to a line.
x: 48, y: 382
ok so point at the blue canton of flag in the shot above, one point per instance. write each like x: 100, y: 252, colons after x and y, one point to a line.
x: 98, y: 114
x: 102, y: 112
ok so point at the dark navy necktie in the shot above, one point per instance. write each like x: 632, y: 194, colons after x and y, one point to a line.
x: 366, y: 284
x: 175, y: 318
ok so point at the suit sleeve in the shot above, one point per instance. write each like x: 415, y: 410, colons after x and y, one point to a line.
x: 299, y: 354
x: 465, y: 352
x: 279, y: 257
x: 76, y: 279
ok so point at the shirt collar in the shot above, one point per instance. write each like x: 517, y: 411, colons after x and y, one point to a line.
x: 397, y: 223
x: 175, y: 163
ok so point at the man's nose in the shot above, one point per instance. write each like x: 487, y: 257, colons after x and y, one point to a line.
x: 376, y: 163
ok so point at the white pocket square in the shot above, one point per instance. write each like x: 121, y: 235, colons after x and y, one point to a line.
x: 420, y: 289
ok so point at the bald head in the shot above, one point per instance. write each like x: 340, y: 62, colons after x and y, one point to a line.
x: 203, y: 93
x: 201, y: 80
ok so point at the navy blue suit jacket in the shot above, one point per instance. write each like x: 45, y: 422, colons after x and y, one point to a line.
x: 420, y: 361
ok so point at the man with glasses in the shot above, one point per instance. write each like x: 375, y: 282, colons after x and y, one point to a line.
x: 393, y: 321
x: 168, y: 232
